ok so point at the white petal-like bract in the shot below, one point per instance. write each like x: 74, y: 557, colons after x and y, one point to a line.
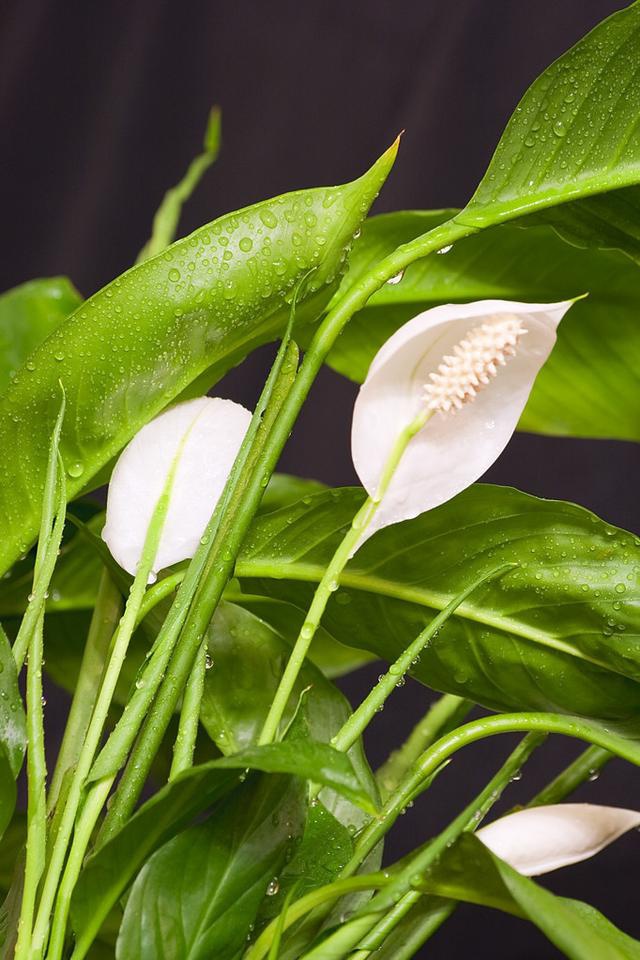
x: 453, y: 449
x: 540, y: 839
x: 204, y: 437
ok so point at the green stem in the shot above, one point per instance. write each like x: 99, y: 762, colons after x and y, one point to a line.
x: 48, y: 544
x: 189, y: 716
x: 444, y: 715
x: 469, y: 819
x: 234, y: 524
x: 364, y: 714
x: 104, y: 621
x: 331, y: 576
x: 92, y: 740
x: 585, y: 767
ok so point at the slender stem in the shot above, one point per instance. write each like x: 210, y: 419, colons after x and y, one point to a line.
x: 189, y: 716
x: 94, y: 733
x: 444, y: 715
x: 331, y: 576
x: 468, y: 820
x: 234, y: 524
x: 585, y: 767
x: 359, y: 720
x: 104, y: 621
x: 48, y: 544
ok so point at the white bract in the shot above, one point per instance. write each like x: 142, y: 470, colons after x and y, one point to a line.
x: 203, y: 437
x: 473, y: 365
x: 541, y: 839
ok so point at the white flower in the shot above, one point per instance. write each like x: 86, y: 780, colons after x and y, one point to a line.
x: 540, y: 839
x: 204, y: 437
x: 474, y: 366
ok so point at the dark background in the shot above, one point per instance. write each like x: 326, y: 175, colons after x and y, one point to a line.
x: 101, y: 107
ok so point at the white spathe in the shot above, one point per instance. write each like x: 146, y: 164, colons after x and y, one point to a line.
x: 540, y: 839
x: 204, y: 435
x: 453, y: 449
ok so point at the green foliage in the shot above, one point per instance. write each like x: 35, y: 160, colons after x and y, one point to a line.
x: 224, y: 866
x: 28, y: 314
x: 598, y: 341
x: 557, y: 633
x: 172, y: 323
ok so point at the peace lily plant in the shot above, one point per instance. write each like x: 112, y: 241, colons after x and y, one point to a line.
x: 212, y: 796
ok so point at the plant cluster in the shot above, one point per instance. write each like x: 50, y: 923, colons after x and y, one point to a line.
x: 211, y: 796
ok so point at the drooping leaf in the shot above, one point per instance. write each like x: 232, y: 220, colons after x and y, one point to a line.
x: 28, y: 314
x: 112, y: 868
x: 198, y: 896
x: 470, y: 872
x: 169, y: 325
x: 507, y: 646
x: 588, y: 386
x: 574, y: 139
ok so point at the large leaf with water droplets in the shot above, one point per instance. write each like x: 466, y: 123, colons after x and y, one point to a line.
x: 572, y: 146
x: 169, y: 325
x: 560, y: 632
x: 28, y: 314
x: 589, y: 385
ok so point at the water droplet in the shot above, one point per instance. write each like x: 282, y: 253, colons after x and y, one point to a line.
x: 396, y: 278
x: 208, y: 661
x: 174, y: 275
x: 446, y: 249
x: 273, y: 887
x: 246, y: 244
x: 269, y: 218
x: 139, y: 683
x: 307, y: 631
x: 75, y: 469
x: 620, y: 588
x: 559, y: 128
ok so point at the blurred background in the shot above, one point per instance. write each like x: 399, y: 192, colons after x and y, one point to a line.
x: 101, y: 108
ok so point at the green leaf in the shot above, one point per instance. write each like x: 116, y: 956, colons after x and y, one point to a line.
x: 199, y: 894
x: 13, y: 731
x: 28, y: 314
x: 167, y: 326
x: 573, y: 138
x: 10, y: 849
x: 284, y: 488
x: 598, y: 344
x: 559, y: 633
x: 8, y: 792
x: 111, y: 869
x: 470, y: 872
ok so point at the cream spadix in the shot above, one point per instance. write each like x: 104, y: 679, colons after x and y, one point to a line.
x: 199, y: 440
x: 540, y: 839
x: 470, y: 368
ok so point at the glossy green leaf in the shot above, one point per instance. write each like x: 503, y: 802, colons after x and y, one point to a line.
x: 588, y: 387
x: 112, y: 868
x: 13, y: 732
x: 574, y: 139
x: 198, y: 895
x: 28, y: 314
x: 10, y: 848
x: 170, y: 324
x: 284, y: 488
x: 470, y: 872
x: 8, y: 791
x: 334, y: 658
x: 559, y: 633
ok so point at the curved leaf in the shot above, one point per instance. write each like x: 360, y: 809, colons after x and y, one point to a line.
x: 198, y: 895
x: 28, y: 314
x: 108, y: 873
x: 588, y: 386
x: 470, y: 872
x: 559, y: 633
x: 575, y: 138
x: 178, y: 319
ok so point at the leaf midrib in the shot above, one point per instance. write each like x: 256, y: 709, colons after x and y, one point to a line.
x: 312, y: 573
